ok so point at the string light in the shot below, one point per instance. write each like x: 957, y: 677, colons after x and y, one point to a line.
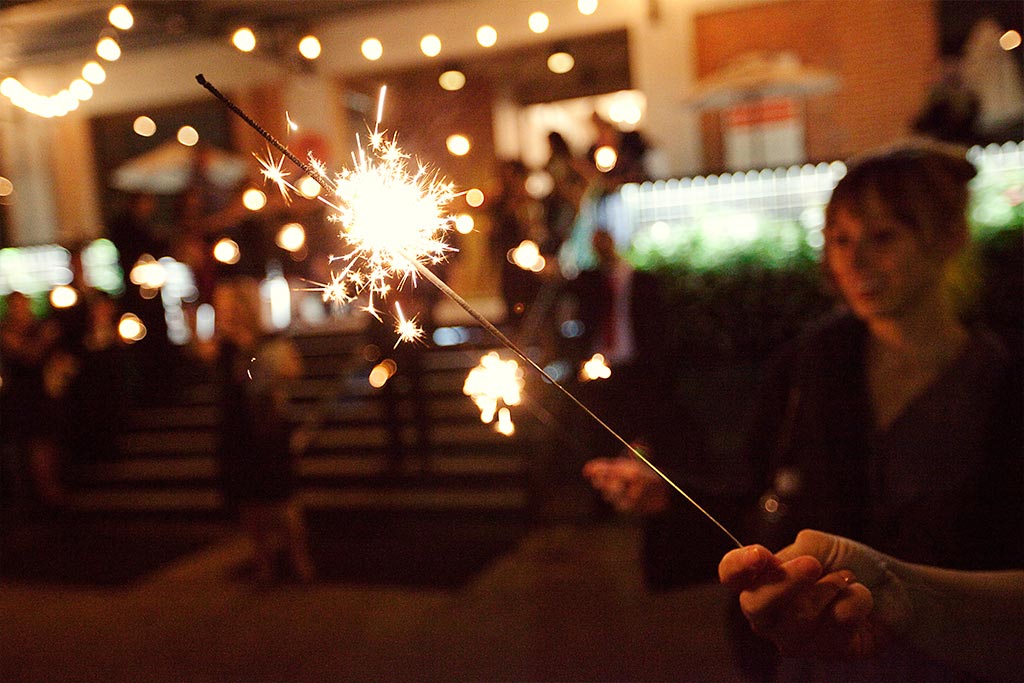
x: 94, y: 73
x: 458, y: 145
x: 227, y: 251
x: 144, y: 126
x: 291, y: 237
x: 464, y: 223
x: 120, y: 17
x: 130, y: 328
x: 372, y: 49
x: 244, y: 39
x: 108, y: 49
x: 452, y: 80
x: 561, y: 62
x: 254, y: 199
x: 188, y: 136
x: 63, y: 296
x: 487, y: 35
x: 309, y: 47
x: 78, y: 90
x: 430, y: 45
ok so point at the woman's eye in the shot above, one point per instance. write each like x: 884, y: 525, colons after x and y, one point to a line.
x: 884, y: 237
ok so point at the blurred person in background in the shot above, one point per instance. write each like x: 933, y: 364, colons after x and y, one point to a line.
x: 258, y: 472
x: 96, y: 391
x: 134, y: 231
x: 623, y: 319
x: 562, y: 204
x: 28, y: 415
x: 514, y: 216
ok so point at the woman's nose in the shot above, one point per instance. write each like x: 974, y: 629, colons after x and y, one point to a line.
x: 861, y: 253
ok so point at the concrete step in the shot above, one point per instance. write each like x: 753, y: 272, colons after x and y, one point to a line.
x: 178, y: 470
x: 169, y: 451
x: 363, y: 498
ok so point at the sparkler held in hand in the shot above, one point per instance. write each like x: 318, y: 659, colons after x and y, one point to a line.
x: 394, y: 223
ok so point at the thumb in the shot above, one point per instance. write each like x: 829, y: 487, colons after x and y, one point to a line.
x: 817, y: 544
x: 836, y: 552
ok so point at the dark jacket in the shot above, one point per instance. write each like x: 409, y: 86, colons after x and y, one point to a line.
x: 941, y: 485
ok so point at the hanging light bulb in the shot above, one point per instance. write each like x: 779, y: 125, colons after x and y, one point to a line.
x: 372, y: 49
x: 458, y: 145
x: 121, y: 17
x: 561, y: 62
x: 309, y: 47
x: 244, y: 39
x: 487, y: 36
x: 452, y: 80
x: 227, y: 251
x: 538, y: 22
x: 108, y: 49
x: 94, y: 73
x: 188, y: 136
x: 144, y: 126
x: 430, y: 45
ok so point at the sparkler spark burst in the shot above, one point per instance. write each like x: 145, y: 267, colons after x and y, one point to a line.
x: 393, y: 220
x: 492, y: 381
x: 390, y: 218
x: 595, y: 368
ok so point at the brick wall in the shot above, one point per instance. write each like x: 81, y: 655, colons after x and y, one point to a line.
x: 884, y: 52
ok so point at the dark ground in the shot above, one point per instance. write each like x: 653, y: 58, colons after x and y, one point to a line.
x: 400, y: 598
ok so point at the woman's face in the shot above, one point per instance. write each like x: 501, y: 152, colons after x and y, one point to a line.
x: 880, y: 266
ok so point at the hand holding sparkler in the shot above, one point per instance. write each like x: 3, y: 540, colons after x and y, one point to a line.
x: 627, y: 485
x: 394, y: 224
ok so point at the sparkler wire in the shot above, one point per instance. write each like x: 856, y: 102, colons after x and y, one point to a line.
x: 427, y: 274
x: 320, y: 178
x: 508, y: 343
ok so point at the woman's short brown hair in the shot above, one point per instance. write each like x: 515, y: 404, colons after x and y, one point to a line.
x: 921, y: 184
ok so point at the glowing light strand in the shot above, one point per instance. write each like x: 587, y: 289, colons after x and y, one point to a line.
x: 392, y: 161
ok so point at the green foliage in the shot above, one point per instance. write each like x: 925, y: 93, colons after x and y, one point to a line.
x: 997, y: 202
x: 744, y: 306
x: 743, y: 310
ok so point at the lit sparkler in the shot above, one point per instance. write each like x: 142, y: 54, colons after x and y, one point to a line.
x: 394, y: 223
x: 392, y: 219
x: 595, y: 368
x: 495, y: 381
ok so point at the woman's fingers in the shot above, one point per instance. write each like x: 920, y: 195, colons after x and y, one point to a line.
x: 853, y: 604
x: 810, y: 604
x: 799, y: 604
x: 769, y: 602
x: 801, y: 615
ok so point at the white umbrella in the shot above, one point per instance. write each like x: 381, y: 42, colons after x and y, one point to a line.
x: 760, y: 75
x: 169, y: 168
